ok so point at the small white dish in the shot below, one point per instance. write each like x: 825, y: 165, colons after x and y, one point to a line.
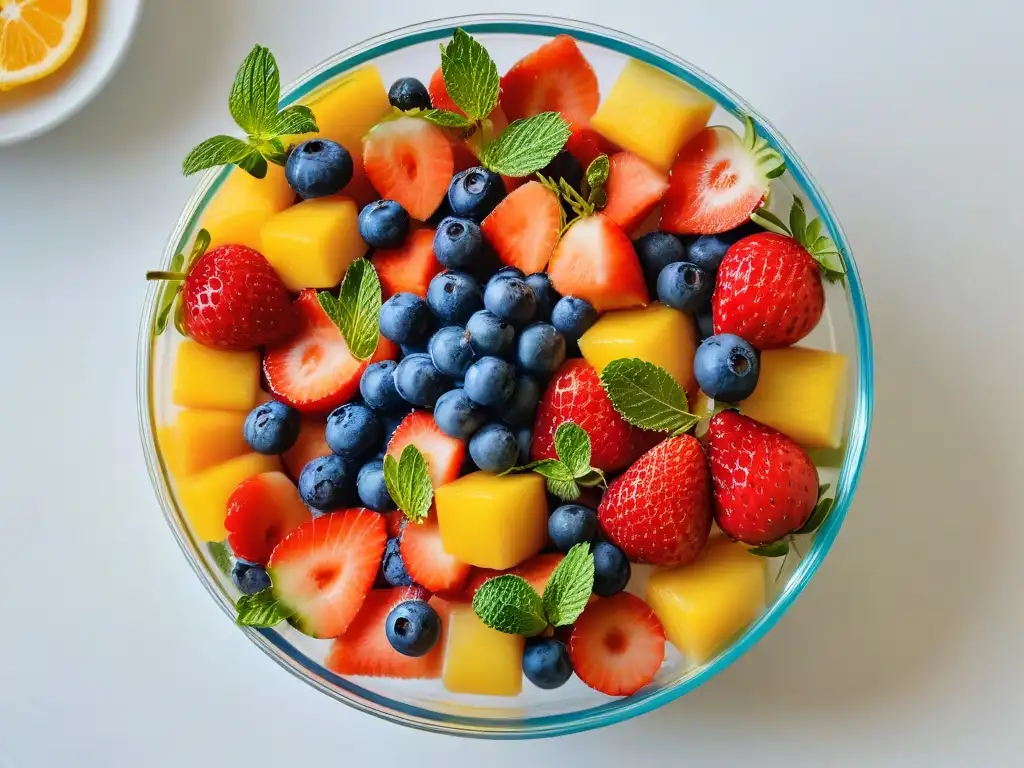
x: 35, y: 108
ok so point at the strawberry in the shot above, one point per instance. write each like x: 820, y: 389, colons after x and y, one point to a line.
x: 575, y: 394
x: 537, y: 570
x: 595, y: 261
x: 617, y: 645
x: 444, y: 454
x: 410, y: 161
x: 524, y: 228
x: 262, y: 511
x: 311, y: 444
x: 554, y: 78
x: 765, y: 485
x: 409, y: 268
x: 634, y: 188
x: 585, y: 144
x: 426, y: 561
x: 659, y: 510
x: 324, y: 569
x: 364, y: 648
x: 314, y: 371
x: 394, y: 519
x: 439, y: 98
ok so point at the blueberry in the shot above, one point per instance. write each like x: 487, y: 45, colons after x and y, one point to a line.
x: 546, y: 662
x: 726, y: 367
x: 324, y: 483
x: 490, y: 335
x: 707, y: 251
x: 442, y: 212
x: 573, y: 317
x: 383, y: 224
x: 475, y: 192
x: 494, y: 448
x: 457, y: 243
x: 409, y: 350
x: 611, y: 569
x: 541, y: 349
x: 450, y: 351
x: 504, y: 272
x: 271, y: 428
x: 683, y: 286
x: 419, y: 382
x: 412, y: 628
x: 456, y: 415
x: 377, y: 386
x: 511, y: 300
x: 318, y: 167
x: 353, y: 431
x: 519, y: 410
x: 391, y: 424
x: 572, y: 524
x: 524, y: 438
x: 564, y: 166
x: 490, y: 381
x: 408, y: 93
x: 453, y: 297
x: 373, y: 493
x: 544, y: 293
x: 405, y: 319
x: 705, y: 322
x: 656, y: 250
x: 249, y: 578
x: 393, y: 566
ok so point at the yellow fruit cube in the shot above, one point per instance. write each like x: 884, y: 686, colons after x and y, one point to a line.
x: 199, y: 439
x: 311, y: 244
x: 479, y: 659
x: 651, y: 113
x: 204, y: 496
x: 242, y: 206
x: 170, y: 447
x: 706, y: 603
x: 212, y: 378
x: 657, y: 334
x: 493, y: 522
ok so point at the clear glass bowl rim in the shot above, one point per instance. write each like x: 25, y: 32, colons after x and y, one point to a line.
x: 616, y: 710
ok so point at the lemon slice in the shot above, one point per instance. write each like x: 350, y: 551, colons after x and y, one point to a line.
x: 37, y: 37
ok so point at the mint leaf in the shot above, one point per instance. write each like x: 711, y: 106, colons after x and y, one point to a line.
x: 470, y: 76
x: 292, y: 121
x: 591, y: 479
x: 818, y: 516
x: 168, y: 293
x: 569, y: 587
x: 445, y: 119
x: 559, y: 479
x: 775, y: 549
x: 647, y: 396
x: 358, y: 309
x: 572, y: 445
x: 222, y: 150
x: 255, y: 93
x: 261, y: 610
x: 597, y: 174
x: 527, y: 145
x: 408, y: 483
x: 509, y: 604
x: 221, y: 555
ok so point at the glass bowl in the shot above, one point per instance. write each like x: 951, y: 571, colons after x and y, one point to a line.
x: 574, y: 707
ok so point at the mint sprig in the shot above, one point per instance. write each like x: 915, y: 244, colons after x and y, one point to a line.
x: 809, y: 234
x: 470, y: 75
x: 408, y: 483
x: 262, y: 610
x: 443, y: 118
x: 527, y: 145
x: 569, y: 587
x: 174, y: 279
x: 356, y: 309
x: 571, y: 470
x: 647, y: 396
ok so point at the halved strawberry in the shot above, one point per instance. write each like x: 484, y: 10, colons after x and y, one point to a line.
x: 364, y: 648
x: 314, y: 371
x: 444, y: 454
x: 524, y: 228
x: 426, y: 561
x: 311, y: 444
x: 554, y: 78
x: 409, y: 268
x: 617, y: 645
x: 585, y: 144
x: 410, y: 161
x: 595, y: 261
x: 324, y: 569
x: 262, y: 511
x: 394, y: 521
x: 537, y: 570
x: 438, y: 91
x: 634, y: 187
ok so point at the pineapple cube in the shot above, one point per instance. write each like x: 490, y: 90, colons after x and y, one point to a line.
x: 651, y: 113
x: 204, y: 496
x: 199, y: 439
x: 479, y: 659
x: 704, y: 604
x: 212, y: 378
x: 311, y: 244
x: 491, y: 521
x: 243, y: 204
x: 657, y: 334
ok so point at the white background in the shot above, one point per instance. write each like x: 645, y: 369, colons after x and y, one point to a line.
x: 907, y: 647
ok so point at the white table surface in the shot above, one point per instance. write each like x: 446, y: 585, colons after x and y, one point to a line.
x: 906, y: 649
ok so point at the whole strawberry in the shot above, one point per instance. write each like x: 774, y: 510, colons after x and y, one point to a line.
x: 765, y: 485
x: 659, y: 510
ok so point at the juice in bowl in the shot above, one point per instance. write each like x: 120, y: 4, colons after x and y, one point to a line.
x: 505, y: 390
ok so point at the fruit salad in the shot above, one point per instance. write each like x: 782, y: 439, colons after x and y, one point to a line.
x: 499, y: 380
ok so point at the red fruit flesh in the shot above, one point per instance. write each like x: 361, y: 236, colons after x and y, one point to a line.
x: 311, y: 444
x: 554, y: 78
x: 524, y: 228
x: 324, y: 569
x: 659, y: 510
x: 426, y: 561
x: 314, y: 372
x: 634, y: 188
x: 585, y: 144
x: 410, y: 161
x: 394, y: 521
x: 765, y: 485
x: 768, y: 291
x: 409, y: 268
x: 233, y: 299
x: 617, y: 645
x: 262, y: 511
x: 444, y: 454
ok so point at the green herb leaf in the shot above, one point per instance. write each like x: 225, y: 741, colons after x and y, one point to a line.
x: 818, y: 516
x: 597, y: 172
x: 261, y: 610
x: 222, y: 150
x: 255, y: 93
x: 526, y: 145
x: 572, y: 445
x: 408, y: 483
x: 647, y: 396
x: 221, y: 554
x: 823, y: 489
x: 591, y: 479
x: 770, y: 162
x: 775, y: 549
x: 293, y: 121
x: 798, y: 218
x: 569, y: 587
x: 558, y: 478
x: 765, y: 218
x: 598, y: 198
x: 255, y: 164
x: 168, y: 293
x: 579, y: 204
x: 552, y: 185
x: 356, y: 311
x: 509, y: 604
x: 445, y: 119
x: 470, y: 76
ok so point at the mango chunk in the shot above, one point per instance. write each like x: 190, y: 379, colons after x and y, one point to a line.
x: 200, y: 438
x: 651, y: 113
x: 212, y: 378
x: 204, y: 496
x: 493, y: 522
x: 243, y: 204
x: 479, y: 659
x: 706, y: 603
x: 657, y: 334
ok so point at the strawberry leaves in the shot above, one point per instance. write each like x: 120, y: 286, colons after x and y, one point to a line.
x: 769, y: 162
x: 647, y: 396
x: 174, y: 279
x: 810, y: 235
x: 571, y: 470
x: 786, y: 544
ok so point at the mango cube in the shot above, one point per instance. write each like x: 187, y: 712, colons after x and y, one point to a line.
x: 243, y: 204
x: 311, y: 244
x: 704, y: 604
x: 479, y: 659
x: 651, y: 113
x: 204, y: 496
x: 493, y: 522
x: 200, y: 438
x: 657, y: 334
x: 212, y: 378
